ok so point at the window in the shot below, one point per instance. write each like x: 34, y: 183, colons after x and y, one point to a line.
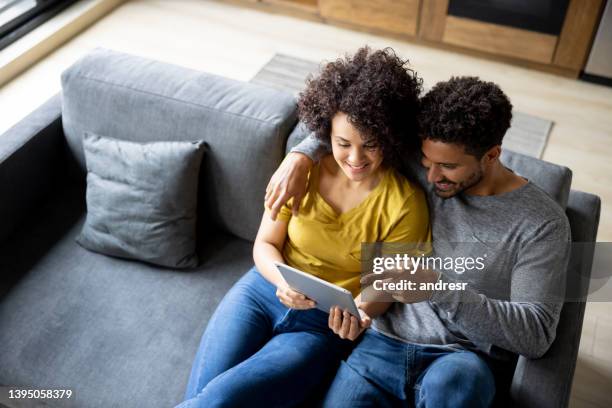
x: 19, y: 17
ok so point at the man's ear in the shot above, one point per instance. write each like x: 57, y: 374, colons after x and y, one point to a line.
x: 491, y: 155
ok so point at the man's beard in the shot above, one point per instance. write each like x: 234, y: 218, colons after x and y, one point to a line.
x: 464, y: 185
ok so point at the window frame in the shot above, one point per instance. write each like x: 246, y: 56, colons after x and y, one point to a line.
x: 24, y: 23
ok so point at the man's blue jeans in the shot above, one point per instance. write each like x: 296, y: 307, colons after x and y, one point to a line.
x: 256, y: 352
x: 383, y: 372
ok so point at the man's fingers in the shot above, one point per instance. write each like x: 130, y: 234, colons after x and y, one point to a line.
x: 384, y: 277
x: 278, y: 204
x: 272, y: 194
x: 369, y: 279
x: 267, y: 196
x: 274, y: 214
x: 297, y: 200
x: 269, y: 188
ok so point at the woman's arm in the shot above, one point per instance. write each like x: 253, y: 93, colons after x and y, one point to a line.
x: 267, y: 249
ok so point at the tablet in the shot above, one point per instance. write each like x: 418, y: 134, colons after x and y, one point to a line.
x: 325, y: 294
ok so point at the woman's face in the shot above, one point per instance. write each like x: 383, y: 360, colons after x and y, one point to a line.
x: 358, y: 158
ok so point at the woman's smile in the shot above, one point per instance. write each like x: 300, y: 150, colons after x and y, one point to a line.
x: 357, y: 169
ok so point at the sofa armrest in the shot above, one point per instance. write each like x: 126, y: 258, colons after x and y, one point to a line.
x: 547, y: 382
x: 32, y: 156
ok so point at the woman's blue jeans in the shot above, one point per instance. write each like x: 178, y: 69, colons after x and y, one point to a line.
x: 382, y: 372
x: 256, y: 352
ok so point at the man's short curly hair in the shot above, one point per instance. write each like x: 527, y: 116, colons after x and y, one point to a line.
x: 378, y: 93
x: 466, y: 111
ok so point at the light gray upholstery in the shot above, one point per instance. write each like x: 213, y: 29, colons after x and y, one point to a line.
x: 142, y: 200
x: 118, y: 333
x: 552, y: 178
x: 547, y: 382
x: 122, y: 333
x: 245, y: 125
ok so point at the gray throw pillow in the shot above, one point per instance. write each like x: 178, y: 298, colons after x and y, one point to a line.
x: 142, y: 199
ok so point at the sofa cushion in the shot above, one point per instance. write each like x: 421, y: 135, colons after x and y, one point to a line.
x: 245, y: 125
x: 142, y: 200
x: 555, y: 180
x: 118, y: 333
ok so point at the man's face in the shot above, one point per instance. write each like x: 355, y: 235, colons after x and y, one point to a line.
x: 449, y: 168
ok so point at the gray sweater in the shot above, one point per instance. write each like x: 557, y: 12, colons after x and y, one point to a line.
x: 512, y: 305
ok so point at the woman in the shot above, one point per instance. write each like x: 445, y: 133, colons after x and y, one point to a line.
x: 267, y: 345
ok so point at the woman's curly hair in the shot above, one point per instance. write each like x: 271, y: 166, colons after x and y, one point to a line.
x: 466, y: 111
x: 378, y: 93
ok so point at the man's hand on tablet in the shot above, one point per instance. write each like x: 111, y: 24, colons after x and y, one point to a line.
x: 290, y: 180
x: 346, y: 325
x: 293, y: 299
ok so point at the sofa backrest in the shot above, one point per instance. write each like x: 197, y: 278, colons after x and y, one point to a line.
x: 556, y: 180
x: 245, y: 126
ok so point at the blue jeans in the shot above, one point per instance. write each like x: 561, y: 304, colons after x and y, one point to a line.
x: 383, y: 372
x: 257, y: 352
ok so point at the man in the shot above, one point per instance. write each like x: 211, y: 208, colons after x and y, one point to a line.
x: 442, y: 351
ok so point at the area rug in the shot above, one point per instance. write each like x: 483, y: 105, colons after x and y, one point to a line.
x: 527, y: 135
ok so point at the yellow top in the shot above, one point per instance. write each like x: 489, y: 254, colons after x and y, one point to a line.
x: 328, y: 245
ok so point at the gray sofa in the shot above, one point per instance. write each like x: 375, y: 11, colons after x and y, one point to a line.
x: 123, y: 333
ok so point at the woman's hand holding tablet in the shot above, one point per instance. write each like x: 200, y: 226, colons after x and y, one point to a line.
x: 347, y: 326
x: 324, y: 294
x: 293, y: 299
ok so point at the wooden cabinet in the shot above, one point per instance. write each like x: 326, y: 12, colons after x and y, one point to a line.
x: 395, y: 16
x: 498, y: 39
x: 430, y: 21
x: 577, y: 34
x: 567, y: 50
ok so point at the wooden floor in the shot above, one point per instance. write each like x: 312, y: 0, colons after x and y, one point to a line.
x: 236, y: 42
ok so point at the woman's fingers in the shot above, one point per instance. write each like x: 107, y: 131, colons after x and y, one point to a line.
x: 343, y: 324
x: 365, y: 322
x: 293, y: 299
x: 354, y: 328
x: 337, y: 320
x: 346, y: 325
x: 299, y: 300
